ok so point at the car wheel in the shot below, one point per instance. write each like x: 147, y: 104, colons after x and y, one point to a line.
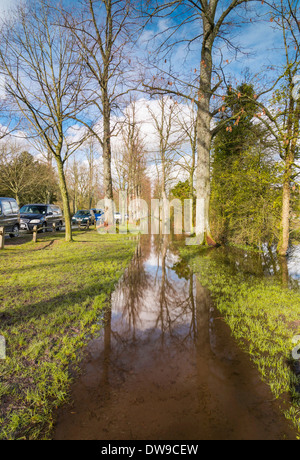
x: 16, y: 232
x: 58, y: 228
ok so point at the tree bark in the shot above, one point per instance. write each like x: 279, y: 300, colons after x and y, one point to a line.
x: 107, y: 176
x: 285, y: 215
x: 204, y: 140
x: 108, y: 188
x: 293, y: 135
x: 65, y: 198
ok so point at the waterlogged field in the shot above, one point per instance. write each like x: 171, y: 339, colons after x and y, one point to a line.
x: 261, y: 303
x: 51, y: 299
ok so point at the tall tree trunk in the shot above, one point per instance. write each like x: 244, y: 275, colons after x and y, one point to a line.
x: 285, y: 215
x: 284, y: 272
x: 165, y: 227
x: 204, y: 141
x: 65, y: 198
x: 107, y: 176
x: 293, y: 135
x: 191, y: 183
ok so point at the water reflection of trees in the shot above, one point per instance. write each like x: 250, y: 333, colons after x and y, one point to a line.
x: 163, y: 293
x: 264, y: 264
x: 135, y: 283
x: 167, y: 295
x: 107, y: 351
x: 179, y: 302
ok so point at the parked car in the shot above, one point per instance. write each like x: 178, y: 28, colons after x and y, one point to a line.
x: 41, y: 215
x: 84, y: 217
x: 10, y: 216
x: 99, y: 213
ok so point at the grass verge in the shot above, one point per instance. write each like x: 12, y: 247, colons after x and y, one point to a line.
x: 51, y: 299
x: 262, y: 310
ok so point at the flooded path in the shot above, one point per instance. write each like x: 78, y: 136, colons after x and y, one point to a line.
x: 165, y: 366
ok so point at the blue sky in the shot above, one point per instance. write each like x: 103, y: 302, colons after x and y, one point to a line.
x: 259, y: 38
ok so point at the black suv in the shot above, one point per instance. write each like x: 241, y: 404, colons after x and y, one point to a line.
x: 43, y: 216
x: 10, y: 216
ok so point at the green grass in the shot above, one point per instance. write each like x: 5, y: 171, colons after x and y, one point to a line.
x: 51, y: 301
x: 262, y: 312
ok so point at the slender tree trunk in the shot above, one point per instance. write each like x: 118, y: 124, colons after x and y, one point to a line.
x: 65, y: 198
x: 191, y: 180
x: 107, y: 176
x: 76, y: 192
x: 108, y: 190
x: 165, y: 205
x: 91, y: 176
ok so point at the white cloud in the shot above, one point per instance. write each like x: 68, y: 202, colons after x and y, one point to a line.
x: 6, y: 6
x: 145, y: 110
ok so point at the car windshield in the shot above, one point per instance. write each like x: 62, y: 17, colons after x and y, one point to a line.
x: 82, y: 213
x: 31, y: 209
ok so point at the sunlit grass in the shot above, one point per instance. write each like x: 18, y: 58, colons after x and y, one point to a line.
x: 51, y: 301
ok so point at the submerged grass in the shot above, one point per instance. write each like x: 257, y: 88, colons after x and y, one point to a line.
x: 262, y: 309
x: 51, y: 299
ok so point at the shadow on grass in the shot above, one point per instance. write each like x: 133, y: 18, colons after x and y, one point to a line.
x: 105, y: 284
x: 47, y: 316
x: 46, y: 307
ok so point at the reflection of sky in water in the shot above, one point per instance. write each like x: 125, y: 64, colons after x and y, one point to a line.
x: 148, y: 305
x: 294, y: 263
x: 151, y: 295
x: 153, y: 265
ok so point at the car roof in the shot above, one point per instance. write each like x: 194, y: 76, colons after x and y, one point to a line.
x: 6, y: 198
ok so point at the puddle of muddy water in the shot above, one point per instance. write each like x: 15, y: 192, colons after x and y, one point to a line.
x: 165, y: 366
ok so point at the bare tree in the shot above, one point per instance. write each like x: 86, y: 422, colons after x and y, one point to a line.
x: 91, y: 168
x: 102, y: 30
x: 133, y: 149
x: 43, y: 81
x: 163, y: 116
x: 72, y: 179
x: 82, y: 177
x: 214, y: 19
x: 187, y: 123
x: 129, y: 159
